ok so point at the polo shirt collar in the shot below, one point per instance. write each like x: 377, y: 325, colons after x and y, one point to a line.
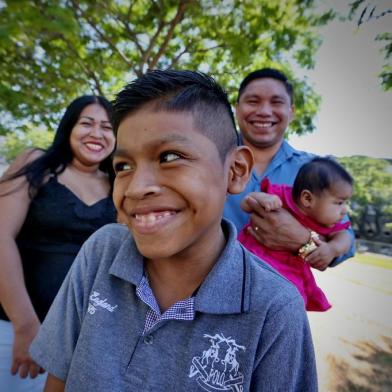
x: 128, y: 262
x: 225, y: 290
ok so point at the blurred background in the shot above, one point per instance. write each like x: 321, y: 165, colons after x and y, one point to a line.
x: 338, y: 54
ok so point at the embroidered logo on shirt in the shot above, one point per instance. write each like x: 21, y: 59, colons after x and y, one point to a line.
x: 217, y: 368
x: 97, y: 302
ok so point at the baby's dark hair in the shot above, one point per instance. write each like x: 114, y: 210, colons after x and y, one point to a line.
x: 319, y: 175
x: 184, y: 92
x: 270, y: 73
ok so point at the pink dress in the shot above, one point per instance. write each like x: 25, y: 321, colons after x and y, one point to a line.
x: 289, y: 265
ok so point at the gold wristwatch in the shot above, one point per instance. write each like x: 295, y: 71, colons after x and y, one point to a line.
x: 310, y: 246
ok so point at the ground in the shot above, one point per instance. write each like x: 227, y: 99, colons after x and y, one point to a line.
x: 353, y: 340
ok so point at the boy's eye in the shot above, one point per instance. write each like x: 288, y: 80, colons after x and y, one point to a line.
x: 169, y: 157
x: 121, y: 166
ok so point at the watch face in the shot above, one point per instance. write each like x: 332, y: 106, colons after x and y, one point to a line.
x: 310, y: 246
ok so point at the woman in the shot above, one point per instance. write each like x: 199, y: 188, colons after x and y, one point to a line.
x: 50, y: 202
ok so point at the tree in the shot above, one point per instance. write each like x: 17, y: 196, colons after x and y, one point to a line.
x: 372, y: 190
x: 17, y: 142
x: 372, y: 179
x: 365, y: 12
x: 386, y: 72
x: 53, y: 50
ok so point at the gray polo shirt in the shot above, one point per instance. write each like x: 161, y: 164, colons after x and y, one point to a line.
x: 250, y: 331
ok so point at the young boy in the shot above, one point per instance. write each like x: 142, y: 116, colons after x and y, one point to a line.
x: 175, y: 302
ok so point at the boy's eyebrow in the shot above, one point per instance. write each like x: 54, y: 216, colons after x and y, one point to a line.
x: 174, y: 137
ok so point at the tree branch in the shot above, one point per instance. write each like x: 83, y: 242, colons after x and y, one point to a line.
x: 176, y: 59
x: 125, y: 23
x: 175, y: 21
x: 100, y: 33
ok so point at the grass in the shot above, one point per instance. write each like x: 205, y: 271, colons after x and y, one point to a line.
x: 374, y: 259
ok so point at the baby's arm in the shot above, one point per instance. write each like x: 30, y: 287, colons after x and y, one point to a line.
x: 338, y: 244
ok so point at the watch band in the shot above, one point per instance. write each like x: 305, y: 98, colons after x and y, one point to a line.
x: 310, y: 246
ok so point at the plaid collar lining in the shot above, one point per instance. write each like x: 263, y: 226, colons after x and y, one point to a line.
x: 181, y: 310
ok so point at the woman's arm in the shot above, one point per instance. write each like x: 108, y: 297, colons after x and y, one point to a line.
x: 14, y: 205
x: 54, y: 384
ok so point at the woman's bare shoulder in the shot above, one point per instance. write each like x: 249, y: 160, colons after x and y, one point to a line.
x: 29, y: 155
x: 23, y: 159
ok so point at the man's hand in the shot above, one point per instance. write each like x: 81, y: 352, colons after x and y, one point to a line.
x: 321, y: 257
x: 22, y: 363
x: 277, y: 229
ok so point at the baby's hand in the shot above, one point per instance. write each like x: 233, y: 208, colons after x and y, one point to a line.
x: 265, y: 200
x: 270, y: 202
x: 321, y: 257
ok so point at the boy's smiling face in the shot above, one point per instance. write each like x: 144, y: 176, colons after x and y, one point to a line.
x: 170, y: 184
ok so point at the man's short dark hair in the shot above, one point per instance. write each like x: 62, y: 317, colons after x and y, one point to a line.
x: 271, y: 73
x: 319, y: 175
x: 182, y: 91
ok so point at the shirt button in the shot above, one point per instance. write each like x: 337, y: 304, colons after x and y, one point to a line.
x: 148, y: 339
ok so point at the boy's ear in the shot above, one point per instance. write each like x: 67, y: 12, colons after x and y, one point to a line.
x: 306, y: 198
x: 241, y: 166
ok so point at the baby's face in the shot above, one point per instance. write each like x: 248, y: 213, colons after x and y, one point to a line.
x: 330, y: 207
x: 170, y: 184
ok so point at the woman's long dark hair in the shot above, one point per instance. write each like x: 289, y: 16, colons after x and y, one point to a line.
x: 56, y: 158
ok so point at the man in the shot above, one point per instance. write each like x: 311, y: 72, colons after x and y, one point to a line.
x: 264, y: 110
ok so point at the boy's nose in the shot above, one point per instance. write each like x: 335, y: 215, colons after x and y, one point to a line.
x: 142, y: 184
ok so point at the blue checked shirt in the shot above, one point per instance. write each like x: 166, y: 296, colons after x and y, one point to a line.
x: 181, y: 310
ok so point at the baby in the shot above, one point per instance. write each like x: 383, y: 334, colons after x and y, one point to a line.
x: 318, y: 200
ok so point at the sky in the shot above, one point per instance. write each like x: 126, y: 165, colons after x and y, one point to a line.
x: 355, y: 117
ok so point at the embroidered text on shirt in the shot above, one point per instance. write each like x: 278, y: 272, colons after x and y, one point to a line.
x: 97, y: 302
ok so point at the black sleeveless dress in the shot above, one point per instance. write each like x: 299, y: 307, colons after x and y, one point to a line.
x: 56, y: 226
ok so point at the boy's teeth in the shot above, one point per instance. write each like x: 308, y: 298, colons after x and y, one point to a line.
x: 152, y: 217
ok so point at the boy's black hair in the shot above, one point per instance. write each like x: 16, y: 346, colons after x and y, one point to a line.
x: 182, y: 91
x: 319, y: 175
x: 59, y: 154
x: 271, y: 73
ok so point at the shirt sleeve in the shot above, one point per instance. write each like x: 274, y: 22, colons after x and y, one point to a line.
x: 286, y: 361
x: 54, y: 345
x: 350, y: 253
